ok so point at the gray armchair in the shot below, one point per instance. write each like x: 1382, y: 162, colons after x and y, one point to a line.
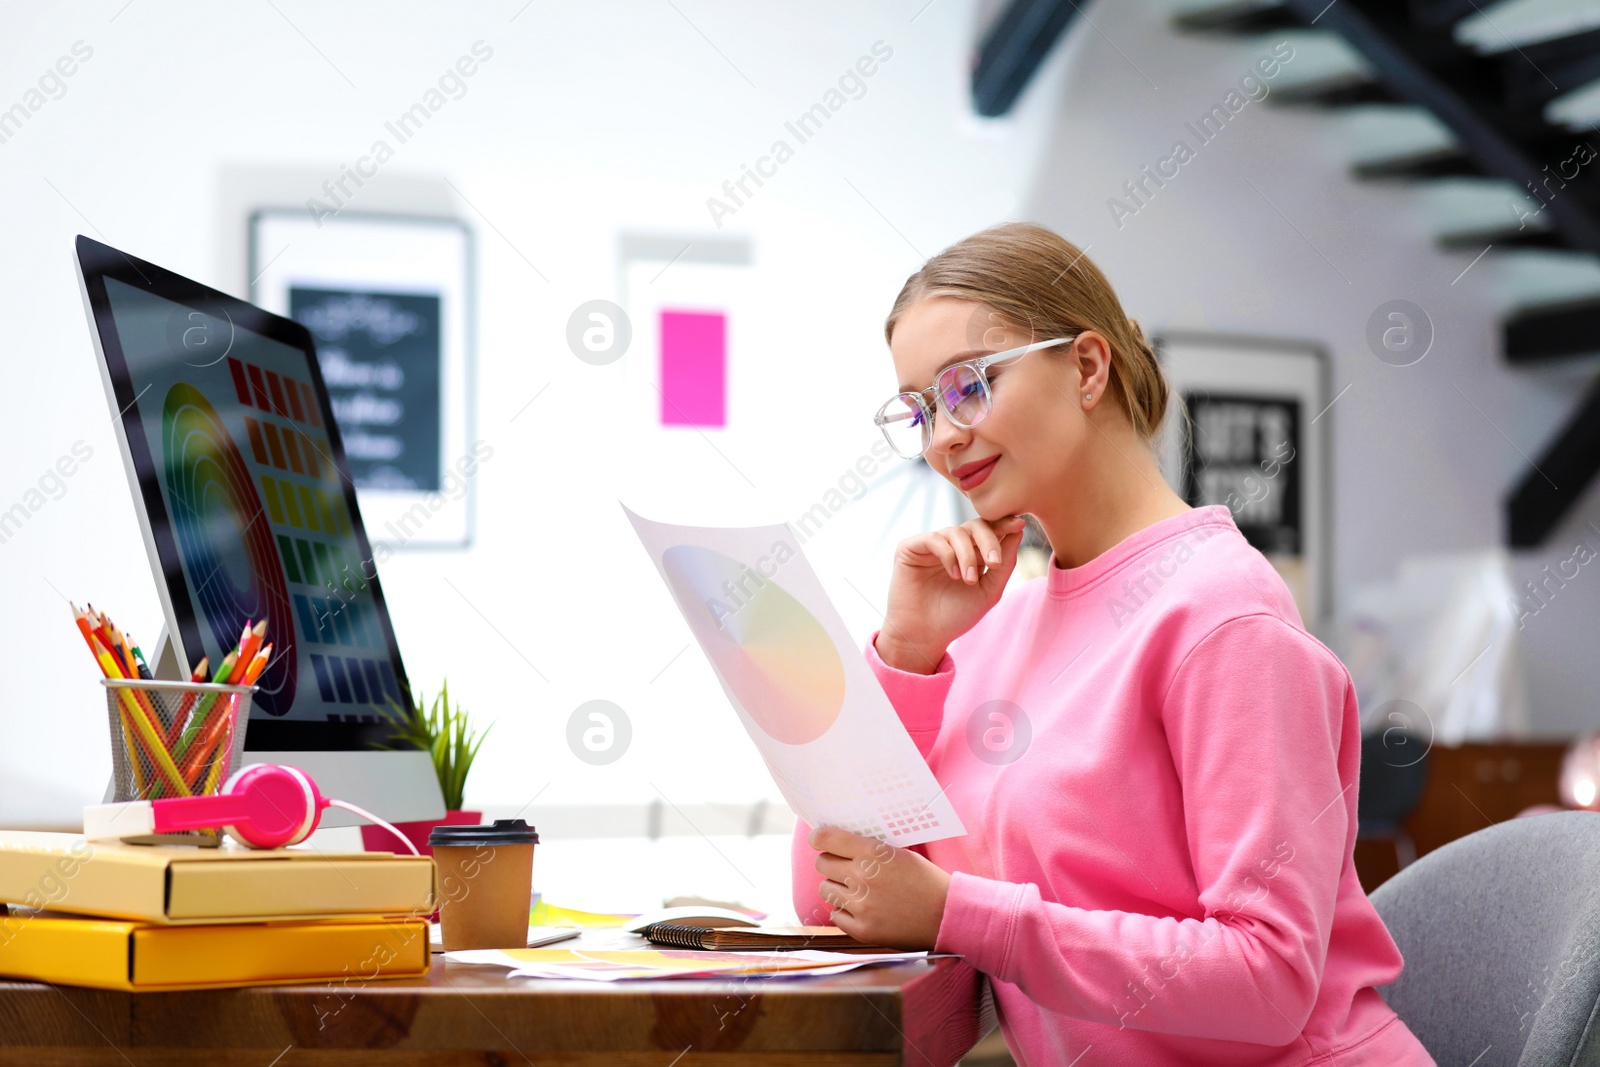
x: 1501, y: 936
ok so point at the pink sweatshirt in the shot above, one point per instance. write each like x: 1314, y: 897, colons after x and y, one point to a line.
x: 1157, y: 769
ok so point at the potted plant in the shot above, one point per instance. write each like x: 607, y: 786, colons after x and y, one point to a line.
x: 443, y: 732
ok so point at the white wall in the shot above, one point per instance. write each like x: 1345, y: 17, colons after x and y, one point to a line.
x: 1264, y: 233
x: 622, y: 117
x: 587, y: 121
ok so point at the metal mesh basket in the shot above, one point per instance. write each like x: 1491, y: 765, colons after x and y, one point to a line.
x: 174, y: 739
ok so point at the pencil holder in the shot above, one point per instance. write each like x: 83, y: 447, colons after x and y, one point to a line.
x: 174, y: 739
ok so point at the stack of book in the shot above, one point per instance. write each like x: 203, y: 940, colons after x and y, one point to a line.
x: 140, y: 917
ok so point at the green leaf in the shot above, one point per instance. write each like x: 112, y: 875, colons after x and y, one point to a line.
x: 444, y: 732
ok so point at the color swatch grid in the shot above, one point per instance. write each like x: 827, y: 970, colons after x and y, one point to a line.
x: 295, y: 462
x: 322, y: 565
x: 253, y: 387
x: 347, y: 680
x: 304, y: 507
x: 330, y: 621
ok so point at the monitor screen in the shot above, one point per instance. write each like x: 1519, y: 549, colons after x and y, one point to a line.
x: 248, y: 501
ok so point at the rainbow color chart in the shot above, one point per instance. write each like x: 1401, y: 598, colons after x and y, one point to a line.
x: 210, y: 493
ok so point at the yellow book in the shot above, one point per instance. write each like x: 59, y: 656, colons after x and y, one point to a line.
x: 177, y: 884
x: 139, y: 957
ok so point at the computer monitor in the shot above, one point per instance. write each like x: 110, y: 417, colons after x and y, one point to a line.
x: 245, y: 501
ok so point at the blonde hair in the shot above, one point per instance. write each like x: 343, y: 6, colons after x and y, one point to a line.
x: 1036, y: 280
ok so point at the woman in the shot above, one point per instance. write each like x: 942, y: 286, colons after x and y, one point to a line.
x: 1155, y: 763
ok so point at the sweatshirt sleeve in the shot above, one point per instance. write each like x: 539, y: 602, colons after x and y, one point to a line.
x: 919, y: 701
x: 917, y: 698
x: 1253, y: 717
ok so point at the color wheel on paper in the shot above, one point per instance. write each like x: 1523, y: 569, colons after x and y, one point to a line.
x: 774, y: 655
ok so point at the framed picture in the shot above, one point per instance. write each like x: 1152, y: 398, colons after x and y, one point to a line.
x: 389, y: 301
x: 1247, y: 428
x: 687, y: 297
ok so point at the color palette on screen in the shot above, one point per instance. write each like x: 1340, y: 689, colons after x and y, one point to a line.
x: 308, y: 537
x: 214, y: 497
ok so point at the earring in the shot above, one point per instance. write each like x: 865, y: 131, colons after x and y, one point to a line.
x: 1088, y: 396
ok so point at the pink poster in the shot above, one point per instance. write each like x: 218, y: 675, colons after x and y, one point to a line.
x: 694, y: 360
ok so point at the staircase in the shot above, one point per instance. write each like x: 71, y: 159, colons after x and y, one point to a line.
x: 1513, y: 92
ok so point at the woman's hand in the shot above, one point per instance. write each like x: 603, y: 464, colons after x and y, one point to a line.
x: 880, y: 894
x: 944, y: 581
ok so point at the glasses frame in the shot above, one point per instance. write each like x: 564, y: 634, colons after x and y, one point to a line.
x: 980, y: 366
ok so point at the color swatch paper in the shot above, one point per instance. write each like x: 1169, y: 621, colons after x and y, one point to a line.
x: 823, y: 724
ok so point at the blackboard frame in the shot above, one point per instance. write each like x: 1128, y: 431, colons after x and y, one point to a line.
x: 289, y: 247
x: 1219, y: 368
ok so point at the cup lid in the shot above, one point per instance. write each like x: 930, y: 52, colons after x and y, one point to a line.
x: 501, y: 832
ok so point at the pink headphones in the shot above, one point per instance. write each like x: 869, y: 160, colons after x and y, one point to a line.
x: 263, y: 805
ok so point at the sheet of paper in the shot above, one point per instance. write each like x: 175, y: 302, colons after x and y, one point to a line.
x: 835, y: 747
x: 614, y: 966
x: 537, y: 935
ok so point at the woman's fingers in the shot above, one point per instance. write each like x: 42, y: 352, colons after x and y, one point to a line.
x: 986, y: 540
x: 960, y: 540
x: 849, y: 874
x: 839, y: 895
x: 1000, y: 573
x: 980, y: 544
x: 832, y: 867
x: 964, y: 551
x: 935, y: 546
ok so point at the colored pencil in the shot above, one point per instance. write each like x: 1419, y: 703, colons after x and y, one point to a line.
x: 258, y: 664
x: 238, y: 646
x: 116, y: 661
x: 120, y: 647
x: 147, y: 732
x: 210, y: 784
x: 249, y: 643
x: 138, y: 656
x: 124, y: 654
x: 199, y: 739
x: 101, y: 630
x: 186, y: 705
x: 108, y: 663
x: 198, y: 718
x: 220, y: 722
x: 217, y: 736
x: 81, y: 618
x: 225, y: 668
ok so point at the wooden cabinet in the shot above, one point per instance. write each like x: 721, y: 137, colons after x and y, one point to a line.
x: 1469, y: 788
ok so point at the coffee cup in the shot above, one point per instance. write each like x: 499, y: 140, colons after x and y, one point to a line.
x: 485, y: 878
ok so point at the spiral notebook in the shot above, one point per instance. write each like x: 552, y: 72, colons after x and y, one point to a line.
x: 757, y: 938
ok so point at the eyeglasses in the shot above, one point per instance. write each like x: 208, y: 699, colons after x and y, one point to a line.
x: 962, y: 390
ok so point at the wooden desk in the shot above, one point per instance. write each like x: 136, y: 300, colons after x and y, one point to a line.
x: 916, y: 1013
